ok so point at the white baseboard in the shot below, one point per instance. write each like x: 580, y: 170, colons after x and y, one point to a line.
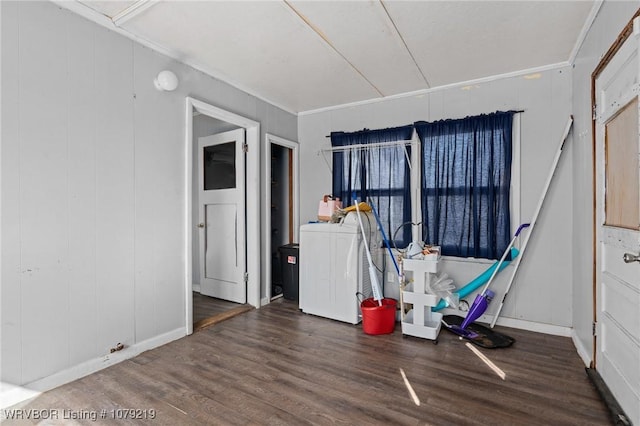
x: 555, y: 330
x: 12, y: 394
x: 538, y: 327
x: 196, y: 287
x: 584, y: 353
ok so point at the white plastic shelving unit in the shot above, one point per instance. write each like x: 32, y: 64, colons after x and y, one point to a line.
x: 419, y: 321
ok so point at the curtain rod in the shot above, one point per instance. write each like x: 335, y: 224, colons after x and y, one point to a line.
x: 368, y: 145
x: 514, y: 111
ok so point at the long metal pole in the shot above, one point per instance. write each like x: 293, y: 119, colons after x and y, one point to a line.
x: 535, y: 217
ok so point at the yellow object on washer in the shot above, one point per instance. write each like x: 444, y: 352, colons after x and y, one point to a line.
x: 363, y: 207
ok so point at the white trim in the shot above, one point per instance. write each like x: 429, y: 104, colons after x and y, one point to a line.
x: 188, y: 221
x: 583, y: 352
x: 12, y: 395
x: 266, y: 225
x: 585, y: 30
x: 438, y: 88
x: 416, y: 188
x: 94, y: 16
x: 88, y: 13
x: 196, y: 287
x: 132, y: 11
x: 252, y: 205
x: 538, y: 327
x: 516, y: 175
x: 253, y: 213
x: 1, y: 210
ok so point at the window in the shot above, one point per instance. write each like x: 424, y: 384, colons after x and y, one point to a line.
x: 465, y: 184
x: 464, y: 181
x: 373, y: 166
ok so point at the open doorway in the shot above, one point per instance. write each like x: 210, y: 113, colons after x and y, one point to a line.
x: 222, y: 250
x: 281, y: 177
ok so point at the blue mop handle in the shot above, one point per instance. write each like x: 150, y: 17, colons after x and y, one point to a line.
x: 384, y: 238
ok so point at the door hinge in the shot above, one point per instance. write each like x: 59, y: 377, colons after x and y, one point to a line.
x: 246, y: 277
x: 245, y: 148
x: 594, y: 328
x: 594, y: 112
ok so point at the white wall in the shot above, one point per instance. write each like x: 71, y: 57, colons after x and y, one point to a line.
x: 541, y: 293
x: 611, y: 19
x: 93, y: 185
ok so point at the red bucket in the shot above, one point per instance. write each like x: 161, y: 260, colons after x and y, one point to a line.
x: 377, y: 319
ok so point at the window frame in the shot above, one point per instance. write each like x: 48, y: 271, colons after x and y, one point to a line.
x: 415, y: 166
x: 514, y: 190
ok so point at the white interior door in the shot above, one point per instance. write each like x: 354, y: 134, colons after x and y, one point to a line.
x: 221, y: 176
x: 618, y: 230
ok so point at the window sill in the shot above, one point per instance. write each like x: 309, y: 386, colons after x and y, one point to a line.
x: 467, y: 260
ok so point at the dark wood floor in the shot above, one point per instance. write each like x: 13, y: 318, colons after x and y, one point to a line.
x: 206, y: 307
x: 278, y: 366
x: 209, y: 311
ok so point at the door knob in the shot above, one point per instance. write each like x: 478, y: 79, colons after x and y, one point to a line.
x: 201, y: 225
x: 628, y: 257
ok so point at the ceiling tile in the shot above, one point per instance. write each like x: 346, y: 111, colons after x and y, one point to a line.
x: 461, y: 41
x: 362, y: 32
x: 263, y: 46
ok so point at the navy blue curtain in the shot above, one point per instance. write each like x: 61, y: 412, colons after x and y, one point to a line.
x: 466, y: 178
x: 379, y: 175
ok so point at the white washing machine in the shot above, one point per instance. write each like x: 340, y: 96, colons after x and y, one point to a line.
x: 334, y: 267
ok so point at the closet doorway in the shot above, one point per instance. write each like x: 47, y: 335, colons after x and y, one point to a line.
x: 282, y: 213
x: 202, y: 121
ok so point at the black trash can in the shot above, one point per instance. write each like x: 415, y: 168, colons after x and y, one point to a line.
x: 289, y: 260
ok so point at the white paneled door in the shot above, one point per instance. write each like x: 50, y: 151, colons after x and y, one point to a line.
x: 221, y: 176
x: 618, y: 227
